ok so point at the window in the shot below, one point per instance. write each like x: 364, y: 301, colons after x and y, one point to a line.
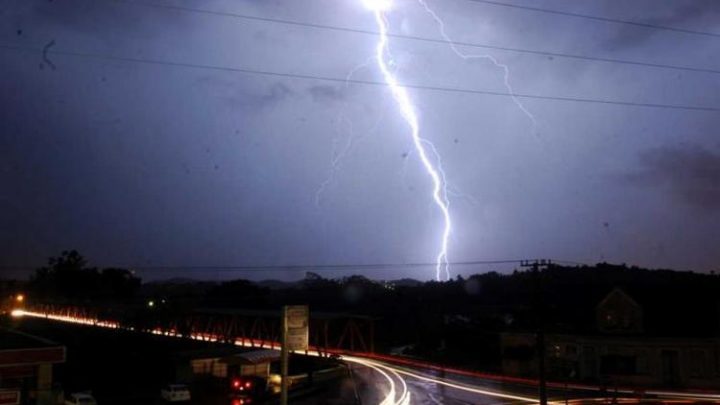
x: 571, y: 350
x: 615, y: 364
x: 642, y: 363
x: 519, y: 352
x: 697, y: 363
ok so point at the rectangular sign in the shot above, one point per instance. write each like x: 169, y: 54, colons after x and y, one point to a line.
x: 8, y: 397
x: 297, y: 322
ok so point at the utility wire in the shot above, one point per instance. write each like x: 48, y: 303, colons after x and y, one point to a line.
x: 597, y: 18
x: 418, y: 38
x: 372, y: 266
x: 356, y: 81
x: 318, y: 267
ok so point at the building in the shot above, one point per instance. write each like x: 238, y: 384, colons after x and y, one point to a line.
x: 228, y: 362
x: 652, y: 342
x: 26, y: 368
x: 255, y: 363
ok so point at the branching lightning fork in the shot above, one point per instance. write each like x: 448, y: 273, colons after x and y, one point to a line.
x: 339, y: 154
x: 492, y: 59
x: 424, y: 148
x: 427, y: 152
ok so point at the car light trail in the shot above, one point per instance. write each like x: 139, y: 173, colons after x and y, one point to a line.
x: 388, y: 371
x: 423, y: 147
x: 18, y: 313
x: 389, y: 399
x: 463, y: 387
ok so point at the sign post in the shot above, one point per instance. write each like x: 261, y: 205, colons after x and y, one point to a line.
x: 10, y: 397
x: 295, y: 321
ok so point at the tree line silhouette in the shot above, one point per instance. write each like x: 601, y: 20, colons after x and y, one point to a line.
x: 456, y: 321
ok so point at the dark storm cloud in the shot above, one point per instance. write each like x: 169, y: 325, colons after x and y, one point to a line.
x: 237, y: 92
x: 84, y: 18
x: 277, y: 92
x: 93, y: 17
x: 680, y: 16
x: 689, y: 173
x: 151, y: 163
x: 323, y: 93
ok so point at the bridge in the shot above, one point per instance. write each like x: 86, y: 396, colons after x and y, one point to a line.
x: 329, y: 331
x: 405, y: 378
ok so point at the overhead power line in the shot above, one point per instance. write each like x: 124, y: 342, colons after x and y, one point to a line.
x: 420, y: 39
x: 356, y: 81
x: 329, y: 267
x: 597, y: 18
x: 314, y: 267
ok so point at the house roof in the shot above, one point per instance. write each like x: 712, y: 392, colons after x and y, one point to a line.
x: 253, y: 357
x: 13, y: 339
x: 667, y: 310
x: 18, y: 348
x: 618, y: 292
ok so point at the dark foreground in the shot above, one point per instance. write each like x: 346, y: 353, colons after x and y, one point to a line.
x: 123, y: 367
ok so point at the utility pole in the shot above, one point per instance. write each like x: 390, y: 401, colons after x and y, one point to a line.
x: 284, y: 359
x: 540, y: 315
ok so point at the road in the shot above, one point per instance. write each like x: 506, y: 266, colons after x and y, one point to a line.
x: 384, y: 382
x: 411, y: 385
x: 402, y: 385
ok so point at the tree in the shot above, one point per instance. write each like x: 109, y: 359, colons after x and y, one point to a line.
x: 68, y: 278
x: 118, y: 284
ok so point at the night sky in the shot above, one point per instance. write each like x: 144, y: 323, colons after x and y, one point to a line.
x: 144, y: 164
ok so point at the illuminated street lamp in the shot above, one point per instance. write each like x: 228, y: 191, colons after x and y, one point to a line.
x: 20, y: 298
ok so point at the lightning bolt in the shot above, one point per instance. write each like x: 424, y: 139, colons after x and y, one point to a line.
x: 338, y: 156
x: 492, y: 59
x: 423, y: 147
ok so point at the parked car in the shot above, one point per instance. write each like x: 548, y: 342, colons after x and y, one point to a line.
x: 80, y: 398
x: 175, y: 393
